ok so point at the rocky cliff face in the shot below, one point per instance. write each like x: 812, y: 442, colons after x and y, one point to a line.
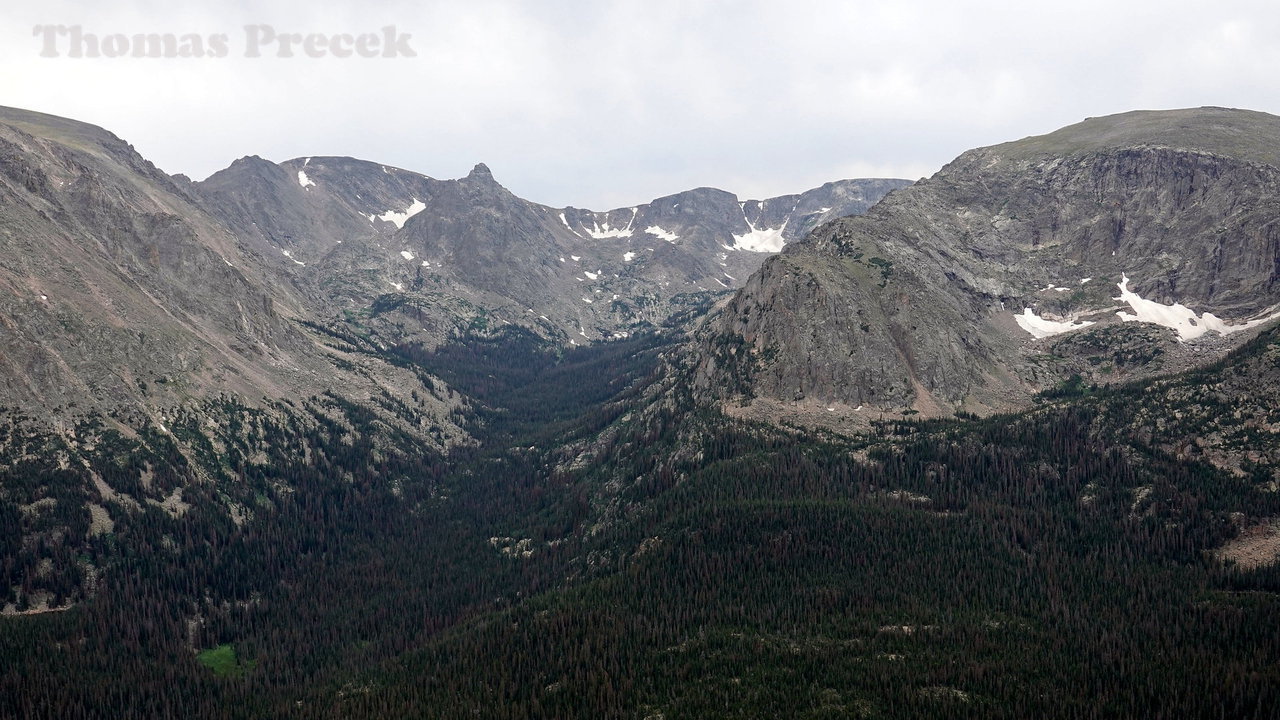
x: 960, y: 291
x: 123, y: 296
x: 307, y: 207
x: 130, y: 291
x: 171, y: 349
x: 423, y: 258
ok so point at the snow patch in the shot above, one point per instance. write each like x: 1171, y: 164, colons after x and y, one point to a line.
x: 1042, y: 328
x: 1178, y: 316
x: 592, y: 275
x: 1085, y: 281
x: 398, y: 286
x: 289, y: 255
x: 760, y: 239
x: 565, y: 220
x: 587, y: 300
x: 399, y: 218
x: 628, y: 256
x: 408, y: 255
x: 661, y: 234
x: 575, y: 258
x: 305, y: 181
x: 603, y: 232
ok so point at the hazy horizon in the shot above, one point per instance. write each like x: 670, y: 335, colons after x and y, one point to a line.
x: 609, y: 105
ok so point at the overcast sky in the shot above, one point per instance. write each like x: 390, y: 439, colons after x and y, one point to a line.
x: 609, y: 103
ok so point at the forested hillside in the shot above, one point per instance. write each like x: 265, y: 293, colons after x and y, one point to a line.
x: 610, y: 549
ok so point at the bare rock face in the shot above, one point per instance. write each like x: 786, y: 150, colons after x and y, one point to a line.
x: 130, y: 291
x: 423, y: 259
x: 124, y: 297
x: 952, y: 293
x: 309, y: 206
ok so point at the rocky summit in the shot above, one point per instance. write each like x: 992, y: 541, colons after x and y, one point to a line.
x: 1116, y: 248
x: 132, y: 288
x: 436, y: 257
x: 326, y: 438
x: 126, y: 297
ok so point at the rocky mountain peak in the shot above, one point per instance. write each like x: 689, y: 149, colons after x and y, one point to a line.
x: 1229, y: 133
x: 481, y: 173
x: 957, y: 292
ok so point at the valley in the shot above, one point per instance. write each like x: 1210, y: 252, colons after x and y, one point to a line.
x: 329, y: 438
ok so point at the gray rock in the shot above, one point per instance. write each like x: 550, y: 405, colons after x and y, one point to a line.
x: 912, y: 304
x: 467, y: 253
x: 126, y: 297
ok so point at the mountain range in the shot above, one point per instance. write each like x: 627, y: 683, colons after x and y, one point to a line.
x: 1118, y: 248
x: 131, y: 287
x: 415, y: 246
x: 330, y: 438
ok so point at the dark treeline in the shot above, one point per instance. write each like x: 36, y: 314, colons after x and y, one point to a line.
x: 598, y: 556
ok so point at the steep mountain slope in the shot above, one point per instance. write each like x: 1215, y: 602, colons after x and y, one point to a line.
x: 1015, y: 266
x: 194, y: 349
x: 423, y: 258
x: 151, y: 363
x: 123, y: 294
x: 629, y: 562
x: 607, y: 546
x: 282, y: 209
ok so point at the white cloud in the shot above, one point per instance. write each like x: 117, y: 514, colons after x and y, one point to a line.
x: 608, y: 104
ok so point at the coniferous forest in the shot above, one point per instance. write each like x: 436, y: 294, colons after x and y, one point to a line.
x: 610, y: 548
